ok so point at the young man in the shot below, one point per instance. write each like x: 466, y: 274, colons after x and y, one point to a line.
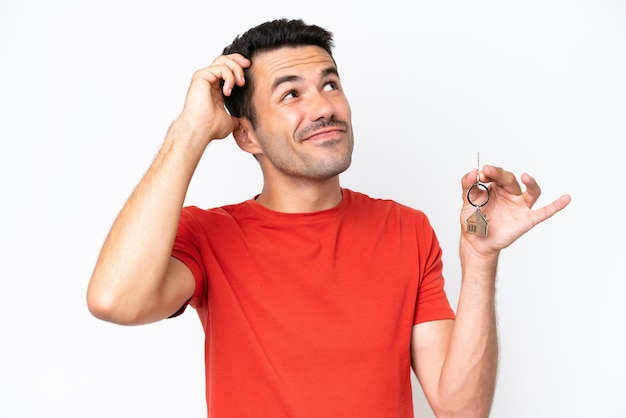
x: 316, y: 300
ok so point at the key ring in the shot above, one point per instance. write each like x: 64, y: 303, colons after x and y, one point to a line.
x: 480, y: 186
x: 477, y: 222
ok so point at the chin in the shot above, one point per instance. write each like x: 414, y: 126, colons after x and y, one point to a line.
x: 332, y: 168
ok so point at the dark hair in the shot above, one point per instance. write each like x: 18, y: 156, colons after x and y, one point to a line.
x: 266, y: 37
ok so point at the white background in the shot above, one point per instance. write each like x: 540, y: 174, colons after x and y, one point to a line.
x: 88, y: 89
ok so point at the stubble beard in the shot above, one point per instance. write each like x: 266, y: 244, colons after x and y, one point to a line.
x: 310, y: 168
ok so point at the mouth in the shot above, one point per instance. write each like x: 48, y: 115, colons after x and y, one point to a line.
x: 326, y: 132
x: 323, y: 135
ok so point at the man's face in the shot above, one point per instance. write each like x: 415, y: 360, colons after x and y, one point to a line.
x: 304, y: 120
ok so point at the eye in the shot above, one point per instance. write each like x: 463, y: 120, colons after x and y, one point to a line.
x: 290, y: 95
x: 331, y: 85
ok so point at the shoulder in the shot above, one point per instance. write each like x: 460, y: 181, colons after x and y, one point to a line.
x: 362, y: 201
x: 397, y: 218
x: 220, y: 215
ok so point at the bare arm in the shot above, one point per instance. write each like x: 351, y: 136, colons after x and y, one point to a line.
x: 135, y: 279
x: 456, y: 361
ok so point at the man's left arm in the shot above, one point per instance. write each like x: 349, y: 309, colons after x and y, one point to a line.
x: 456, y: 360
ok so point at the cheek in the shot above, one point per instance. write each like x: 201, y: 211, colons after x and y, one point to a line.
x: 286, y: 124
x: 272, y: 117
x: 277, y: 130
x: 345, y: 109
x: 274, y: 136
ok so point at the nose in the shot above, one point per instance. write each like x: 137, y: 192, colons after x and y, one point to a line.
x: 321, y: 106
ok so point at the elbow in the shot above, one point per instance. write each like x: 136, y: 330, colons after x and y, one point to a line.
x: 107, y: 306
x: 98, y: 306
x: 102, y: 307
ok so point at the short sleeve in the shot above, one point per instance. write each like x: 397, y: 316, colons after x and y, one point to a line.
x: 432, y: 302
x: 188, y: 249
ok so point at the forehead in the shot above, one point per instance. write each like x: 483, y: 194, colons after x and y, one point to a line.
x: 271, y: 65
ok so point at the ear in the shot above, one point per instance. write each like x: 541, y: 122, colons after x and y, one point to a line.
x: 245, y: 137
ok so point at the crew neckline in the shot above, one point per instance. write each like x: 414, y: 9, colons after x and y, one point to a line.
x: 346, y: 197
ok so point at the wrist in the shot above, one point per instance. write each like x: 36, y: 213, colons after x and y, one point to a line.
x: 478, y: 263
x: 184, y: 133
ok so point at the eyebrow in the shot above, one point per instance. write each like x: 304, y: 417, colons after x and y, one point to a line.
x: 290, y: 78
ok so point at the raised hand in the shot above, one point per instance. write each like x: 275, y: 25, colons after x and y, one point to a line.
x: 204, y: 113
x: 509, y: 211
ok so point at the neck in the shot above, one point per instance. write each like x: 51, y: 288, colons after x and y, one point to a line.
x: 301, y: 197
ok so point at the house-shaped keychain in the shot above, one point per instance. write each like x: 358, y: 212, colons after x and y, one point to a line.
x: 477, y: 224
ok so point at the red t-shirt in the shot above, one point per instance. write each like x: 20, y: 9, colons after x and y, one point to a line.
x: 310, y: 315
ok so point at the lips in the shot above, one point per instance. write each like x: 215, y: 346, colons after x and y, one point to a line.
x: 323, y: 134
x: 323, y: 130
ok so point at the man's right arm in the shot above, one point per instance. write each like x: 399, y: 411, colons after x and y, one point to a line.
x: 135, y: 280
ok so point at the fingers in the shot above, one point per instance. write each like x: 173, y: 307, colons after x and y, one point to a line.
x: 505, y: 180
x: 532, y: 189
x: 204, y: 108
x: 469, y: 179
x: 510, y: 212
x: 502, y: 178
x: 492, y: 174
x: 550, y: 210
x: 230, y: 68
